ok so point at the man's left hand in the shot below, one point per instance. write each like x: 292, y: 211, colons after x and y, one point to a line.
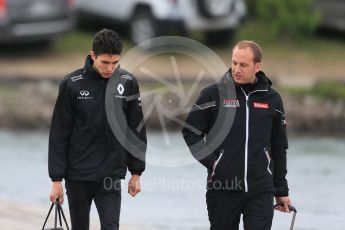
x: 134, y: 186
x: 284, y: 203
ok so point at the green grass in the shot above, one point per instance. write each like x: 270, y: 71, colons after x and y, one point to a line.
x: 331, y: 90
x: 256, y: 31
x: 8, y: 91
x: 77, y: 41
x: 317, y: 48
x: 316, y: 45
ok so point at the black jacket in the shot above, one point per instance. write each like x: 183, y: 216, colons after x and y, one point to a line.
x: 82, y: 145
x: 247, y: 123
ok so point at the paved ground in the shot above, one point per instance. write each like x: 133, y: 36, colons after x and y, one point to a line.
x: 16, y: 216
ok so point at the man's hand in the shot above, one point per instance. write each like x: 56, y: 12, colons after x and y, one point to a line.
x: 284, y: 202
x: 134, y: 185
x: 57, y: 192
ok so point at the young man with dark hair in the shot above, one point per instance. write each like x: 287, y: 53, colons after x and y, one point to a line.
x: 83, y: 150
x: 248, y: 168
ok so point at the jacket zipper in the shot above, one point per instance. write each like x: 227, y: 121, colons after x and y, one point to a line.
x: 105, y: 122
x: 247, y: 137
x: 216, y: 163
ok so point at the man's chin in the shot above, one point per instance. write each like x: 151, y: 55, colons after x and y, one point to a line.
x: 106, y: 75
x: 238, y: 81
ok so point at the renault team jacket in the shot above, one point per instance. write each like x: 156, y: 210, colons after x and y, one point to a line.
x: 82, y: 145
x: 252, y: 155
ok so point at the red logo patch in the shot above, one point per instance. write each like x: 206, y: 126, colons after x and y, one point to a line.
x: 261, y: 105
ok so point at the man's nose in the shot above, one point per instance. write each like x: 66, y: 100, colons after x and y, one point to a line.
x: 236, y: 68
x: 110, y: 68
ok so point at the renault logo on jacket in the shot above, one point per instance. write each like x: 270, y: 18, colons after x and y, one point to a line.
x: 120, y: 89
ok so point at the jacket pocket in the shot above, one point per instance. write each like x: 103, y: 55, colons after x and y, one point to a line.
x: 216, y: 163
x: 268, y: 157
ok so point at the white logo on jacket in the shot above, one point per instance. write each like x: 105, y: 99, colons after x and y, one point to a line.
x: 127, y: 77
x: 77, y: 78
x: 84, y: 95
x: 231, y: 103
x: 120, y: 89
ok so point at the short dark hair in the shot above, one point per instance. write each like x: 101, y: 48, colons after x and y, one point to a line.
x: 107, y: 41
x: 257, y: 51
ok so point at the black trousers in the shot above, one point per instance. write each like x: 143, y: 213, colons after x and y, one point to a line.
x: 107, y: 198
x: 225, y: 209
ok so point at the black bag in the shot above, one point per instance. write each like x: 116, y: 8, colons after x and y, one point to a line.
x: 58, y: 213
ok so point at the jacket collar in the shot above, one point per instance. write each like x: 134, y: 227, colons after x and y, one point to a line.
x: 89, y: 71
x: 263, y: 82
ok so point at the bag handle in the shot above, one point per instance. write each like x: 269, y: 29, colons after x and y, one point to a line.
x: 61, y: 213
x: 58, y: 213
x: 50, y: 209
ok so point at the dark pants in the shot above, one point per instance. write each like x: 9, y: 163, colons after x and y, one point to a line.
x: 107, y: 198
x: 225, y: 209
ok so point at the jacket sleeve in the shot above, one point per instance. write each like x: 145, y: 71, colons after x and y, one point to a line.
x: 135, y: 120
x: 279, y: 146
x: 196, y: 127
x: 59, y: 134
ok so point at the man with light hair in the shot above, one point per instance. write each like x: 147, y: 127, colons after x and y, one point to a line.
x: 248, y: 169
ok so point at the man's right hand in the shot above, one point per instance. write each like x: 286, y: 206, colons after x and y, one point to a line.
x: 57, y: 192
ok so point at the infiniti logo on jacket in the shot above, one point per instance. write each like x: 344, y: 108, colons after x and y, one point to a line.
x: 84, y: 95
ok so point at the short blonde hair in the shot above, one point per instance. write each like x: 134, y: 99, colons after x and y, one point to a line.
x: 257, y: 51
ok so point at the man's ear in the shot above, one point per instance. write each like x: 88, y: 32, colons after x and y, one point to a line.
x: 257, y: 67
x: 93, y: 55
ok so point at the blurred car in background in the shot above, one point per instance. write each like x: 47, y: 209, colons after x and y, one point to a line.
x: 35, y: 20
x: 332, y: 13
x: 151, y: 18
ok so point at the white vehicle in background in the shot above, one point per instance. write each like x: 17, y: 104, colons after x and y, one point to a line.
x: 150, y: 18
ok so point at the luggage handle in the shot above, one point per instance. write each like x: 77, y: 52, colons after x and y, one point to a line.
x: 58, y: 213
x: 291, y: 208
x: 294, y: 210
